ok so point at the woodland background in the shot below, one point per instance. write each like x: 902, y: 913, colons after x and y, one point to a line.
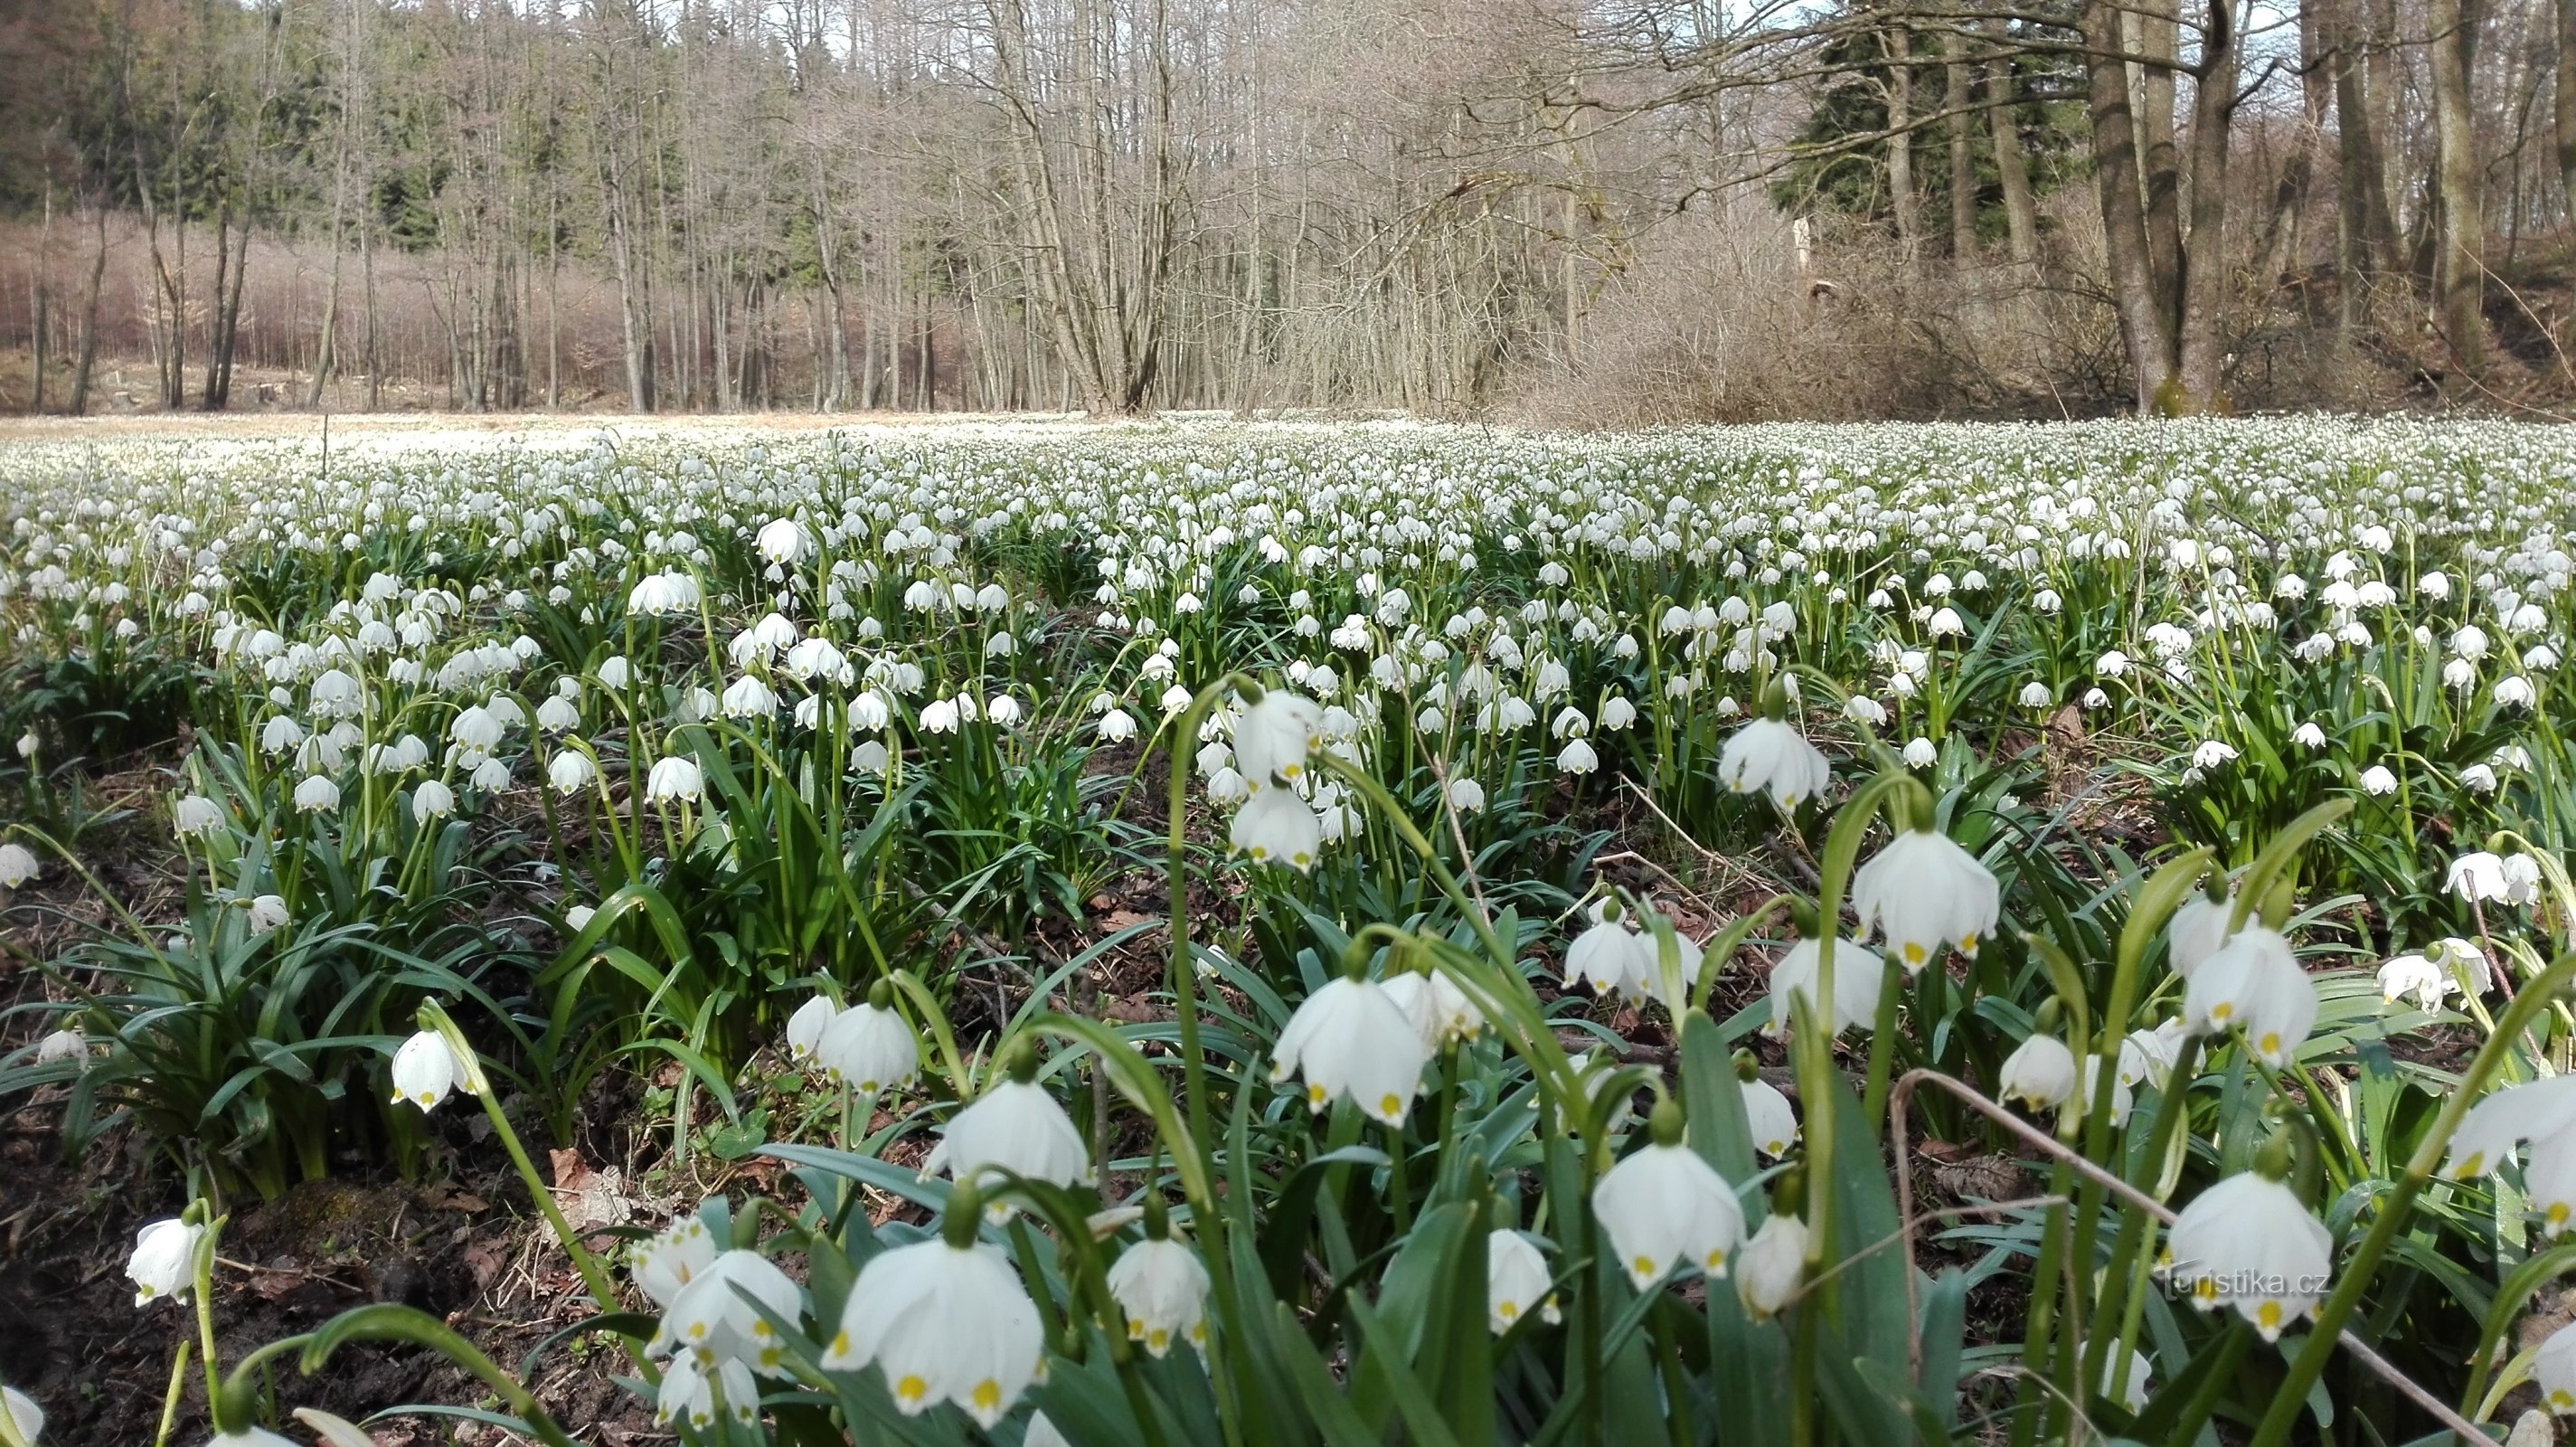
x: 1543, y: 210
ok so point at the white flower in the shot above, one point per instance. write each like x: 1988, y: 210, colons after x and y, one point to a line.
x: 2429, y: 976
x: 1612, y: 958
x: 664, y: 592
x: 2249, y: 1242
x: 748, y: 697
x: 2254, y: 983
x: 1920, y: 753
x: 2553, y: 1370
x: 2041, y: 1073
x: 1466, y: 795
x: 267, y: 912
x: 946, y: 1324
x: 1617, y: 713
x: 2124, y: 1378
x: 164, y: 1262
x: 2211, y: 754
x: 2308, y: 736
x: 315, y: 795
x: 17, y: 865
x: 783, y: 541
x: 1767, y: 754
x: 1774, y: 1125
x: 806, y: 1026
x: 674, y: 777
x: 1577, y: 757
x: 1924, y: 893
x: 24, y: 1414
x: 2539, y: 1110
x: 1272, y: 738
x: 689, y: 1390
x: 615, y: 672
x: 196, y: 815
x: 432, y: 800
x: 869, y: 1048
x: 2478, y: 779
x: 713, y: 1316
x: 1663, y: 1205
x: 570, y: 771
x: 1441, y: 1012
x: 1857, y: 975
x: 61, y: 1045
x: 1162, y: 1288
x: 425, y: 1069
x: 2035, y: 694
x: 1116, y: 726
x: 1278, y: 828
x: 2196, y: 931
x: 1769, y: 1269
x: 1351, y: 1039
x: 939, y: 716
x: 2378, y: 780
x: 1516, y: 1281
x: 578, y: 917
x: 2521, y: 879
x: 1016, y: 1127
x: 669, y: 1259
x: 1043, y: 1433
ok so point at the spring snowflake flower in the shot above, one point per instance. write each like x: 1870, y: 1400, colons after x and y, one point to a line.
x: 806, y: 1026
x: 1273, y: 737
x: 425, y: 1069
x: 24, y: 1414
x: 1161, y: 1287
x: 1858, y: 970
x: 1441, y: 1012
x: 266, y: 912
x: 432, y: 800
x: 2542, y: 1112
x: 164, y: 1263
x: 1352, y: 1040
x: 946, y: 1320
x: 1923, y: 894
x: 1769, y: 755
x: 1920, y: 753
x: 869, y: 1047
x: 1016, y: 1127
x: 2249, y: 1242
x: 689, y: 1392
x: 1116, y: 726
x: 1516, y: 1281
x: 1770, y: 1267
x: 316, y: 795
x: 195, y: 815
x: 2553, y: 1370
x: 1277, y: 827
x: 665, y: 1262
x: 714, y: 1317
x: 2308, y: 736
x: 570, y: 771
x: 664, y: 592
x: 61, y: 1045
x: 1617, y: 714
x: 1769, y: 1116
x: 675, y: 777
x: 2196, y: 931
x: 2253, y: 982
x: 1663, y: 1205
x: 2477, y: 877
x: 2040, y: 1074
x: 783, y: 542
x: 17, y: 865
x: 2212, y: 754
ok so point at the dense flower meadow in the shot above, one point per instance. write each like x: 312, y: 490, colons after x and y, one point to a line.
x: 1580, y: 883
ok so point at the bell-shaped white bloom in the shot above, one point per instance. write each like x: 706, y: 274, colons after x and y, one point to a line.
x: 2124, y: 1378
x: 1920, y: 753
x: 2254, y: 983
x: 2198, y: 928
x: 61, y: 1045
x: 1923, y: 893
x: 2539, y: 1110
x: 783, y: 541
x: 1772, y: 1264
x: 2041, y: 1073
x: 425, y: 1069
x: 1272, y: 738
x: 164, y: 1263
x: 805, y: 1027
x: 1439, y: 1010
x: 24, y: 1414
x: 869, y: 1048
x: 1352, y: 1040
x: 2553, y: 1370
x: 1043, y: 1433
x: 1768, y: 756
x: 1277, y: 827
x: 747, y: 697
x: 1017, y: 1127
x: 1664, y: 1205
x: 690, y: 1387
x: 2249, y: 1242
x: 17, y: 865
x: 432, y: 800
x: 1161, y: 1286
x: 1612, y: 958
x: 1516, y: 1281
x: 196, y: 815
x: 316, y: 795
x: 2477, y: 877
x: 1466, y: 795
x: 266, y: 913
x: 1774, y: 1124
x: 714, y: 1317
x: 570, y: 771
x: 665, y: 1262
x: 615, y: 672
x: 946, y: 1324
x: 674, y: 777
x: 1858, y: 972
x: 1578, y: 757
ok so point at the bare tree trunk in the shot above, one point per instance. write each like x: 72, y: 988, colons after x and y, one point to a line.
x: 1963, y: 168
x: 2566, y: 109
x: 2159, y: 27
x: 1900, y: 143
x: 2282, y: 226
x: 88, y: 359
x: 2459, y: 246
x: 2145, y: 320
x: 2021, y: 212
x: 2201, y: 343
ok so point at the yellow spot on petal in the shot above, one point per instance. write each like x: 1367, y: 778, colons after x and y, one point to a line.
x: 841, y: 1344
x: 2560, y: 1400
x: 2269, y: 1045
x: 1913, y: 953
x: 1644, y: 1266
x: 2222, y: 1012
x: 1315, y: 1096
x: 1158, y: 1341
x: 1968, y: 946
x: 2557, y: 1215
x: 987, y: 1396
x: 1715, y: 1265
x: 763, y: 1330
x: 1135, y: 1328
x: 2476, y: 1162
x: 2205, y: 1290
x: 1392, y: 1106
x: 697, y: 1331
x: 2267, y: 1317
x: 911, y: 1390
x: 1508, y: 1310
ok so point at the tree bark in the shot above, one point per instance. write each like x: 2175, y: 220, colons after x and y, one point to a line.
x: 1900, y: 143
x: 2201, y: 341
x: 2566, y: 108
x: 2145, y: 321
x: 2459, y: 227
x: 1963, y: 168
x: 2021, y: 212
